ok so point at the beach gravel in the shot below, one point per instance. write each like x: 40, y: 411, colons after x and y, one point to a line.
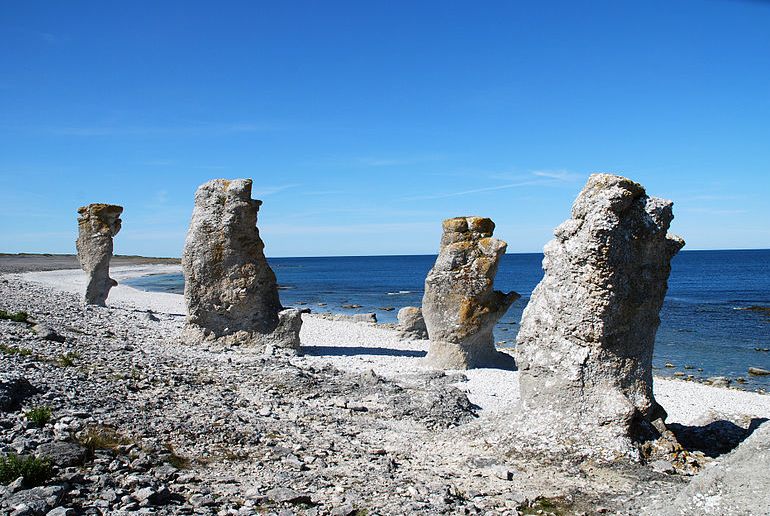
x: 358, y: 424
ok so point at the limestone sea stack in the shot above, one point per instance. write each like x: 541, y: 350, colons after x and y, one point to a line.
x: 97, y: 225
x: 230, y: 290
x: 460, y: 305
x: 587, y: 335
x: 411, y: 324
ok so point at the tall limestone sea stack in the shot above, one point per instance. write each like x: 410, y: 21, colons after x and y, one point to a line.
x: 460, y: 306
x: 97, y: 224
x: 230, y: 290
x: 587, y: 335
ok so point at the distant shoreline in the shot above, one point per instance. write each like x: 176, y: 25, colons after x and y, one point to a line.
x: 31, y: 262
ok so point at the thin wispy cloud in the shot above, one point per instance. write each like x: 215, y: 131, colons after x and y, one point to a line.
x: 709, y: 211
x: 293, y: 229
x: 322, y: 192
x: 380, y: 161
x: 195, y: 129
x: 535, y: 178
x: 264, y: 191
x: 38, y: 35
x: 471, y: 191
x: 564, y: 176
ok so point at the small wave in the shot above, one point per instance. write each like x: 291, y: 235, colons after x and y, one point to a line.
x: 400, y: 293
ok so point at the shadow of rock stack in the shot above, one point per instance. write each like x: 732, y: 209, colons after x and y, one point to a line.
x: 97, y: 224
x: 587, y: 335
x: 460, y: 305
x: 230, y: 290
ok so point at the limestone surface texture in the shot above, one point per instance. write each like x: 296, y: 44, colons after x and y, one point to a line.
x: 460, y: 305
x: 586, y: 339
x: 97, y: 225
x: 738, y: 484
x: 411, y: 323
x: 230, y: 290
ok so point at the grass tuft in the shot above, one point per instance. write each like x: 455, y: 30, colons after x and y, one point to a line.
x: 102, y: 438
x: 39, y: 416
x: 10, y: 350
x: 67, y: 359
x: 175, y: 459
x: 34, y: 471
x: 14, y: 316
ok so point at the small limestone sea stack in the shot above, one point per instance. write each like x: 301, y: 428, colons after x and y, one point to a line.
x: 460, y: 306
x: 97, y: 224
x: 230, y: 290
x: 587, y: 335
x: 411, y: 324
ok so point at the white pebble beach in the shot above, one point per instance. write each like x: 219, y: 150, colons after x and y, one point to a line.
x: 379, y: 349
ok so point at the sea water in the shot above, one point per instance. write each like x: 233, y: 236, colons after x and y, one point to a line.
x: 704, y: 331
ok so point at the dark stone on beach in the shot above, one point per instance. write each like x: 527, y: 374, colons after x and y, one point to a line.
x: 14, y: 389
x: 286, y: 495
x: 718, y: 381
x: 47, y: 333
x: 63, y: 453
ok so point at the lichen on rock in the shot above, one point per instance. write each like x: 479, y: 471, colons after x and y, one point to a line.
x: 587, y: 335
x: 230, y: 289
x: 460, y: 305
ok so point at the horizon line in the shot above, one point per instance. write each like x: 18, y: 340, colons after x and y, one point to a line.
x: 355, y: 255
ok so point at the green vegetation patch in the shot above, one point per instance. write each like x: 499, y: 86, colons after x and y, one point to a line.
x: 100, y: 437
x: 34, y: 471
x: 67, y: 359
x: 10, y: 350
x: 15, y: 317
x: 39, y: 416
x: 546, y: 506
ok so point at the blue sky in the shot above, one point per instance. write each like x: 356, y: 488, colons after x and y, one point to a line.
x: 364, y: 124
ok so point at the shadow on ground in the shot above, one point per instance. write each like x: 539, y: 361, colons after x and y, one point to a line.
x: 715, y: 438
x: 345, y: 351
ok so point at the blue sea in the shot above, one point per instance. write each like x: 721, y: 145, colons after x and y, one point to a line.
x: 704, y: 331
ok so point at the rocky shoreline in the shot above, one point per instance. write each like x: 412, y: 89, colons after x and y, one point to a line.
x: 141, y: 422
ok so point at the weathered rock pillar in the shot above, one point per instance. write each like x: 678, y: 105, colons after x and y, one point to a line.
x: 460, y: 306
x: 97, y: 224
x: 230, y: 290
x: 411, y: 324
x: 587, y: 335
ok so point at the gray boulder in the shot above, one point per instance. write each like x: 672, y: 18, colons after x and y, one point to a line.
x: 411, y: 323
x: 739, y: 483
x: 97, y: 225
x: 14, y: 389
x: 460, y: 306
x: 369, y: 317
x: 230, y: 290
x: 587, y: 335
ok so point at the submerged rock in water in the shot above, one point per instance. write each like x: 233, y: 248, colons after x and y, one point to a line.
x: 411, y: 324
x: 587, y: 335
x: 97, y: 225
x: 230, y: 290
x: 460, y: 305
